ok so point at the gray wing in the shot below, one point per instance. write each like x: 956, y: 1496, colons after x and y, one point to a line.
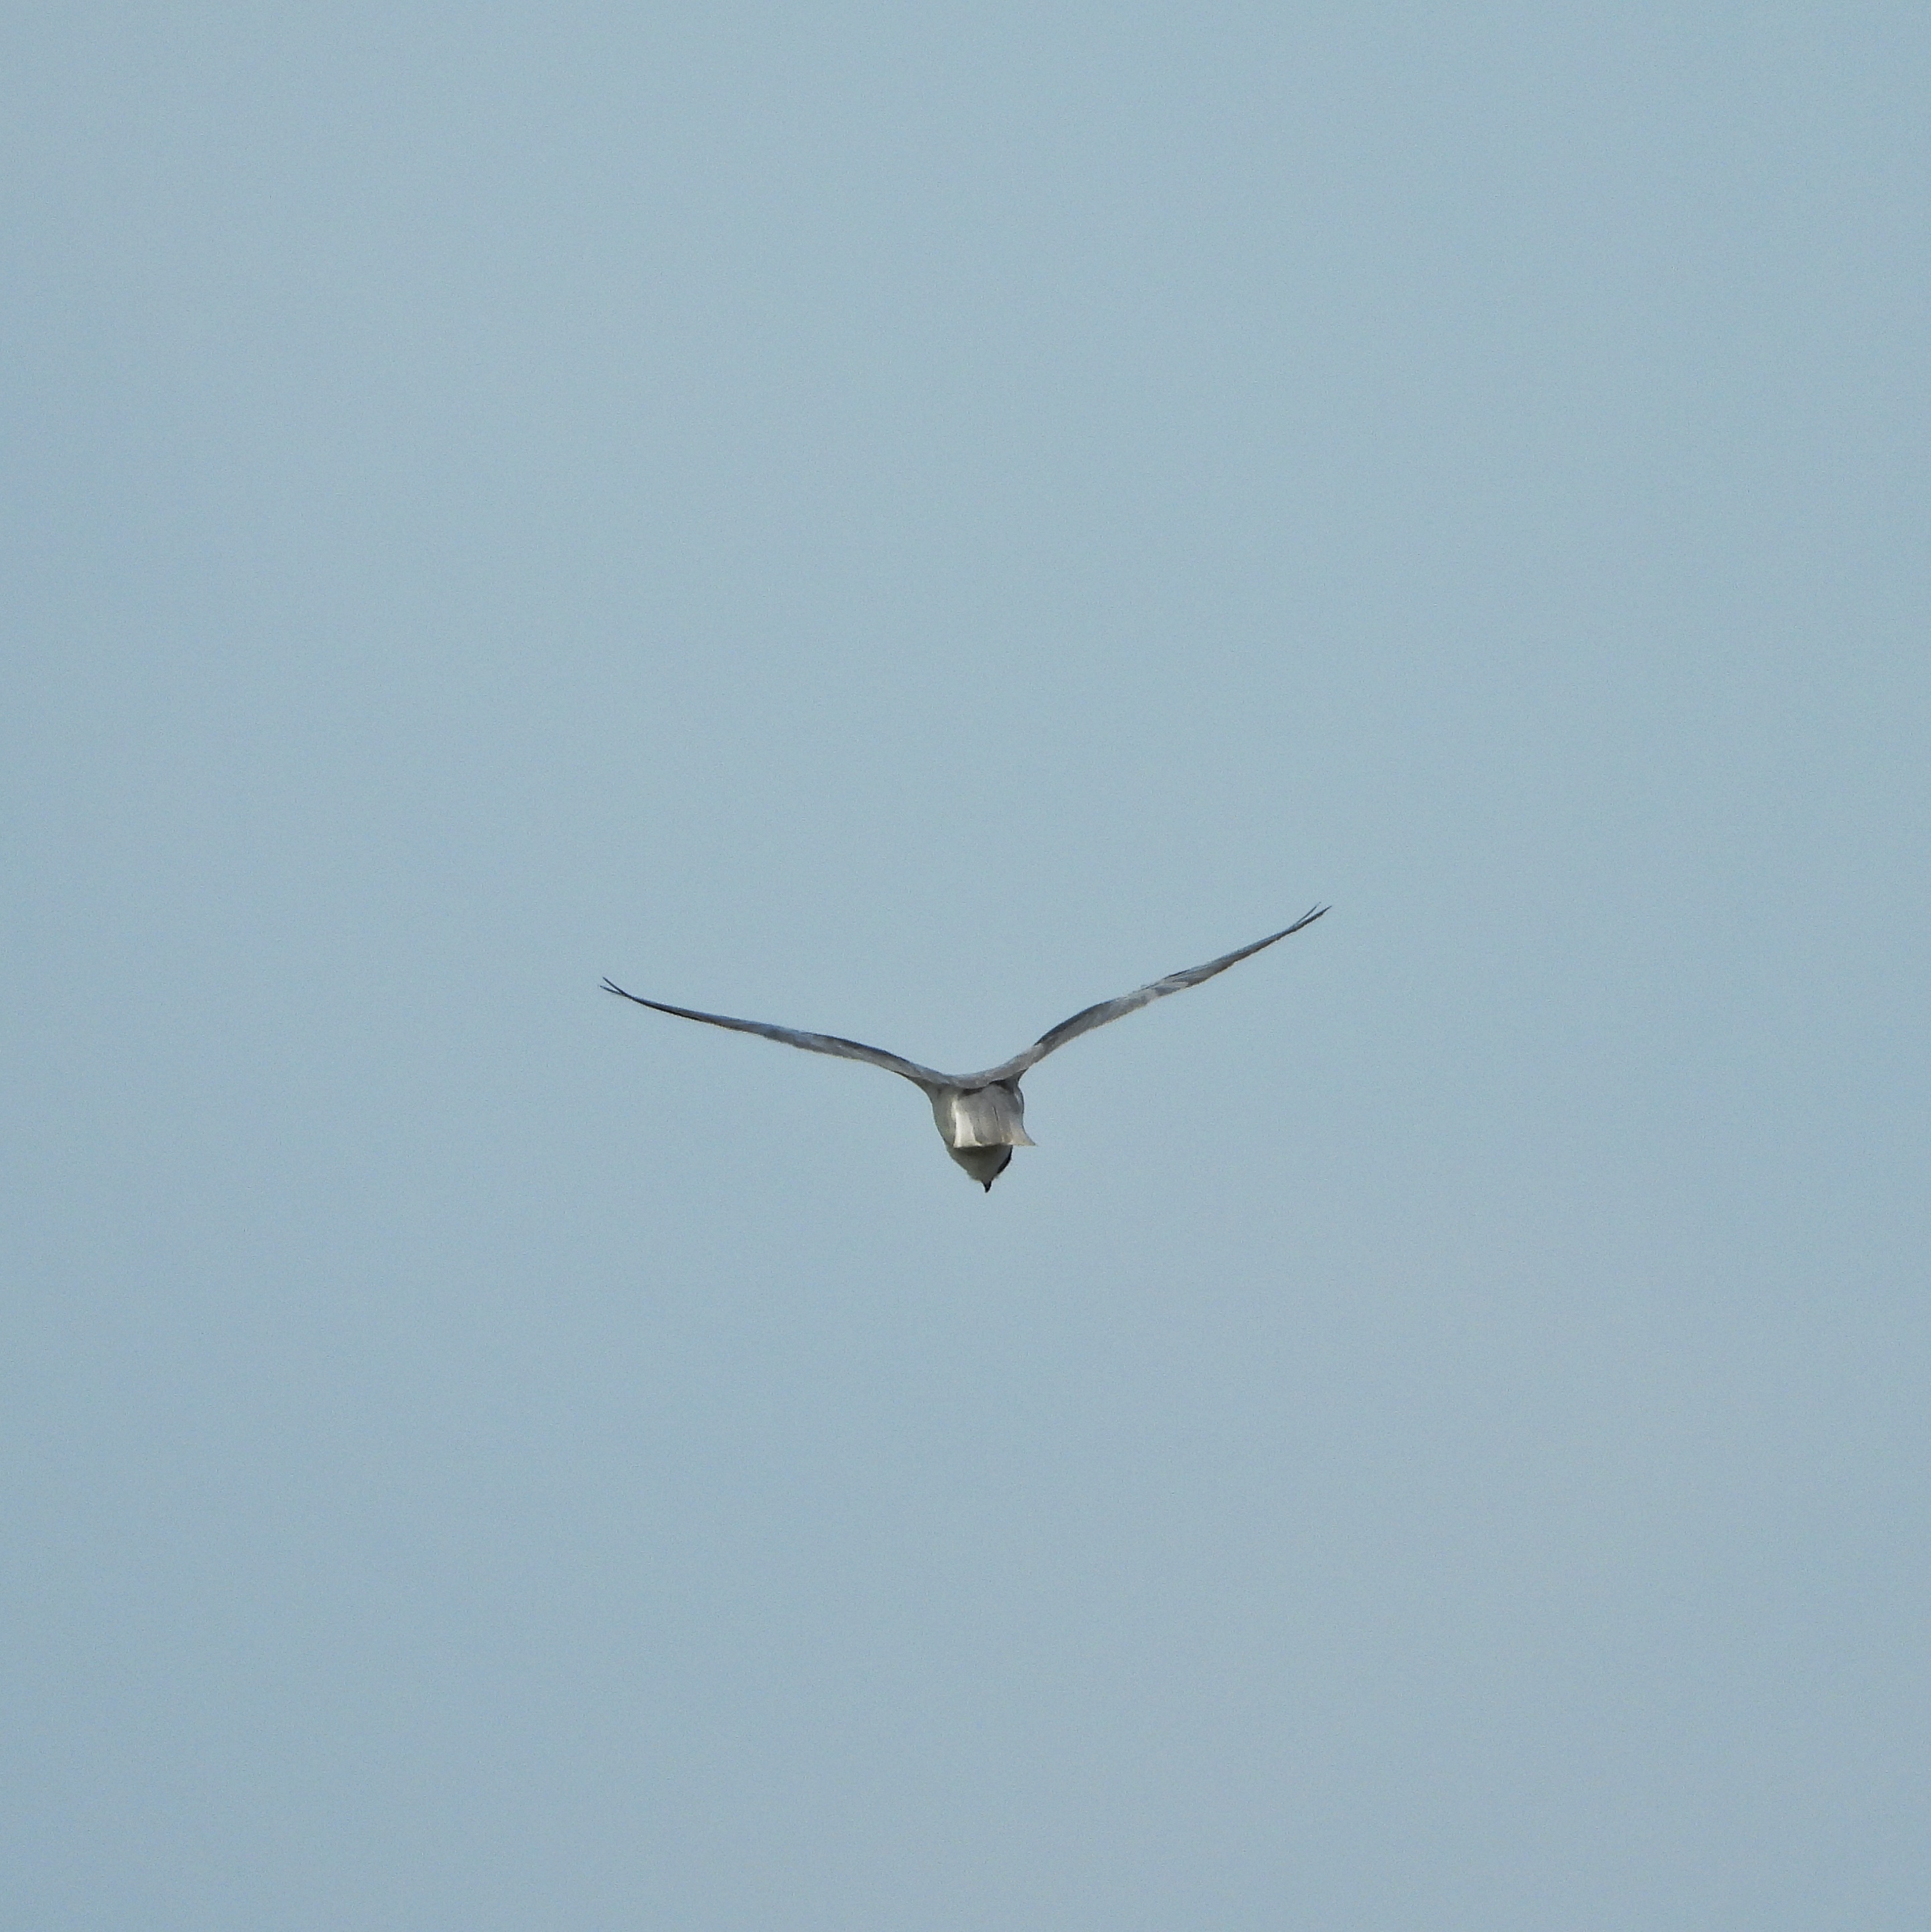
x: 1131, y: 1003
x: 812, y: 1043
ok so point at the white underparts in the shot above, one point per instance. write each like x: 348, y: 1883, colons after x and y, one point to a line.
x: 981, y: 1117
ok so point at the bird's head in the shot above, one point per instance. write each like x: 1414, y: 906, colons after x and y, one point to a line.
x: 985, y: 1164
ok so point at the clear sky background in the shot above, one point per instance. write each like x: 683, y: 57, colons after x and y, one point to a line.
x: 905, y: 521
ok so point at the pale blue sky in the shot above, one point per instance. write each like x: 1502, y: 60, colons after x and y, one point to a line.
x: 905, y: 521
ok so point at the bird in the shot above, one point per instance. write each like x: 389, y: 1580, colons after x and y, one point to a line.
x: 981, y: 1117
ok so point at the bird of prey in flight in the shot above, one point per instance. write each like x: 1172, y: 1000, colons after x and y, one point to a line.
x: 981, y: 1116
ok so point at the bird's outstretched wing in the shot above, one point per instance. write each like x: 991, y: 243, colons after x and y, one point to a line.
x: 812, y: 1043
x: 1130, y: 1002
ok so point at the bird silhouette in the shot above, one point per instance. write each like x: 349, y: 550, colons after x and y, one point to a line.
x: 981, y: 1117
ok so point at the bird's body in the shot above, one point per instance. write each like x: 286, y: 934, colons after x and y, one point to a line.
x: 981, y: 1117
x: 981, y: 1126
